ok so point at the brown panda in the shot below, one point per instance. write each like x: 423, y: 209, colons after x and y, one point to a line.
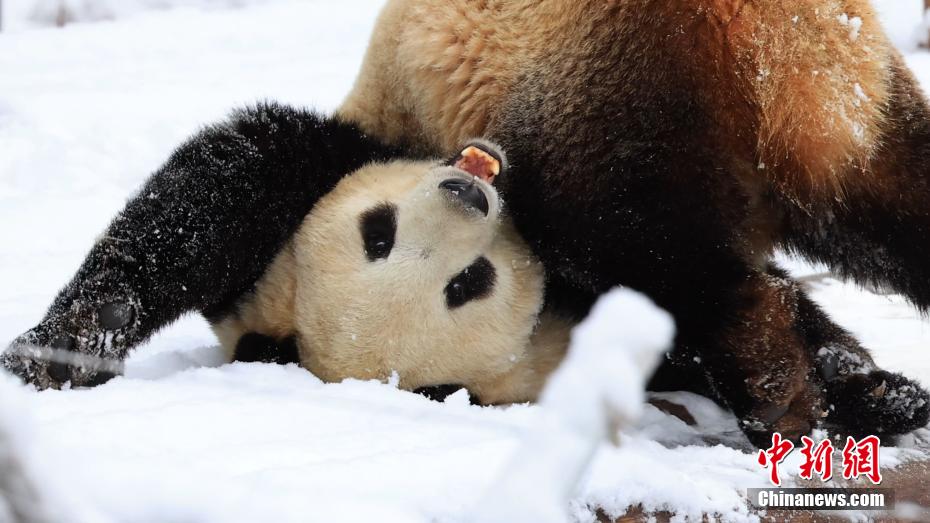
x: 665, y: 145
x: 407, y: 267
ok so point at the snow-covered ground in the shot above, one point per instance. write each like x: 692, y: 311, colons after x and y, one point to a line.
x: 88, y: 111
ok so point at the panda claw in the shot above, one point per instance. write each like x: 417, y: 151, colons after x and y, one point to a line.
x: 829, y: 366
x: 115, y: 315
x: 879, y: 392
x: 773, y: 413
x: 59, y: 372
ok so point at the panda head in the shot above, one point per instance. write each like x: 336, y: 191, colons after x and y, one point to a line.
x: 412, y: 267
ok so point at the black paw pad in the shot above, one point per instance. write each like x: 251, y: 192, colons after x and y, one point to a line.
x: 115, y: 315
x: 837, y: 362
x: 59, y: 372
x: 829, y: 366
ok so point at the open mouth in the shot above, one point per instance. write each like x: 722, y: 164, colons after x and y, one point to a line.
x: 482, y: 162
x: 479, y: 163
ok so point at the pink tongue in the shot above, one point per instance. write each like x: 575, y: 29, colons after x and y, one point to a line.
x: 479, y: 163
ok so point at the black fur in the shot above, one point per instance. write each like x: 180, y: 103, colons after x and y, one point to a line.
x: 473, y: 283
x: 441, y: 392
x: 201, y: 231
x: 379, y: 227
x: 879, y: 403
x: 254, y: 347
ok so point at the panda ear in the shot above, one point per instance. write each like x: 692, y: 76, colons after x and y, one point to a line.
x: 482, y: 159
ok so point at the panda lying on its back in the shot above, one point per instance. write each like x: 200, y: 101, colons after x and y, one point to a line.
x: 407, y: 267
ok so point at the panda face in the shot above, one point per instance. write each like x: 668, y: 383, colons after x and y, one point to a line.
x: 379, y: 231
x: 411, y: 267
x: 460, y: 202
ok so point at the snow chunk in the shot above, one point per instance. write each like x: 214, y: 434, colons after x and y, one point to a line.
x: 612, y: 355
x: 25, y: 494
x: 860, y: 94
x: 598, y: 390
x: 854, y: 24
x: 18, y: 499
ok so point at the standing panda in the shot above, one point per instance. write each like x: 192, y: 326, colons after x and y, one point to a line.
x: 410, y: 268
x: 669, y: 146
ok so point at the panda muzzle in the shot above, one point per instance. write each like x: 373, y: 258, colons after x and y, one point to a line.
x: 468, y: 192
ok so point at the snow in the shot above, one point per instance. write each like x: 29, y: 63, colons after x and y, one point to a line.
x: 88, y: 111
x: 854, y: 24
x: 598, y: 390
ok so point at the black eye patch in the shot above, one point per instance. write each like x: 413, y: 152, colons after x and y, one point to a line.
x: 474, y: 283
x: 378, y: 226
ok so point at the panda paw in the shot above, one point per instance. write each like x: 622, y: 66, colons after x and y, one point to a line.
x: 879, y: 403
x: 83, y: 346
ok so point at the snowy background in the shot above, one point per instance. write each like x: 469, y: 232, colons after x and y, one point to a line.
x: 89, y: 110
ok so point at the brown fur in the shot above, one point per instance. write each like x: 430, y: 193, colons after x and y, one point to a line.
x: 796, y: 93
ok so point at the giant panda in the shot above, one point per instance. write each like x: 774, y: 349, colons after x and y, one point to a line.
x: 668, y: 146
x: 413, y: 268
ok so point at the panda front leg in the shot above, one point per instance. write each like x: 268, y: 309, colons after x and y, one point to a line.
x: 196, y: 237
x: 758, y: 361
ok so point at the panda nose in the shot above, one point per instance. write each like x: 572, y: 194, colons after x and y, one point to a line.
x: 468, y: 192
